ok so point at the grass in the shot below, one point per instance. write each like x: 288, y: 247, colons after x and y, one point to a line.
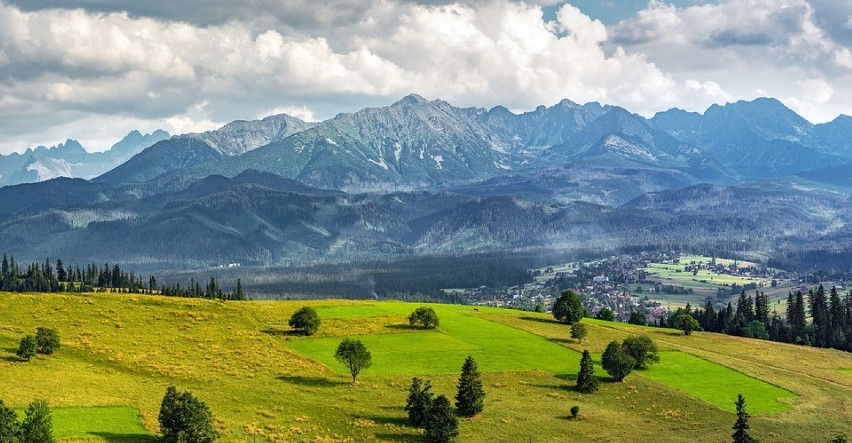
x: 716, y: 384
x: 122, y: 351
x: 110, y: 422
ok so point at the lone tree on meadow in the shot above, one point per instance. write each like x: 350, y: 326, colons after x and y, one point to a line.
x: 741, y: 426
x: 470, y: 398
x: 616, y: 362
x: 419, y: 401
x: 28, y: 347
x: 686, y: 323
x: 578, y: 331
x: 568, y: 308
x: 642, y: 349
x: 425, y: 317
x: 47, y: 340
x: 441, y: 424
x: 305, y: 320
x: 354, y: 355
x: 586, y: 381
x: 184, y: 418
x: 37, y: 426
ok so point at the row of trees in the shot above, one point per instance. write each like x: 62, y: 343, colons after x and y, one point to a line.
x: 830, y: 326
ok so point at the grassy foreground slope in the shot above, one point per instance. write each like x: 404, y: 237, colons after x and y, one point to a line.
x: 264, y: 384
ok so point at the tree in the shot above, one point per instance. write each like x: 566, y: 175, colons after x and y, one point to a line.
x: 616, y: 362
x: 425, y: 316
x: 605, y: 314
x: 184, y: 418
x: 686, y: 323
x: 741, y: 426
x: 441, y: 425
x: 586, y: 380
x: 757, y: 329
x: 354, y: 355
x: 578, y: 331
x: 637, y: 318
x: 642, y: 349
x: 419, y: 402
x: 470, y: 398
x: 568, y: 308
x: 305, y: 320
x: 47, y: 340
x: 37, y: 426
x: 820, y: 315
x: 10, y: 429
x: 28, y: 347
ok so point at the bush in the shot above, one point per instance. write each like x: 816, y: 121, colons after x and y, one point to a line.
x: 642, y: 349
x: 605, y: 314
x: 28, y: 347
x: 616, y: 362
x: 575, y: 412
x: 37, y: 426
x: 426, y: 317
x: 568, y: 308
x: 48, y: 341
x: 578, y: 331
x: 305, y: 320
x: 441, y: 424
x: 184, y: 418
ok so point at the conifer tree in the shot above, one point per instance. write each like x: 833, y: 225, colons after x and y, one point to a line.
x: 419, y: 401
x: 37, y: 426
x: 470, y: 398
x: 586, y: 380
x: 820, y: 316
x: 741, y: 426
x: 10, y: 429
x: 836, y: 315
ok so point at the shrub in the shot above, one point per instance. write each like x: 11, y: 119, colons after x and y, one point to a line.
x: 425, y: 316
x: 306, y: 320
x: 184, y: 418
x: 48, y: 341
x: 28, y: 347
x: 575, y: 412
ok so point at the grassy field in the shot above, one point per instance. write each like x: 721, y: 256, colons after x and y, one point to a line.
x: 120, y: 352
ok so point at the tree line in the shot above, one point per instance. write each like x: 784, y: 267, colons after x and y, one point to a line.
x: 830, y: 325
x: 59, y: 277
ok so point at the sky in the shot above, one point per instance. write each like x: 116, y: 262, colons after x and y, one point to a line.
x: 93, y: 70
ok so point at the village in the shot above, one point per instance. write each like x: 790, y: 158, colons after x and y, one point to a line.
x: 652, y: 283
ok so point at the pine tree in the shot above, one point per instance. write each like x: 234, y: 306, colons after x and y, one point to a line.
x: 441, y: 424
x: 741, y: 426
x: 470, y: 397
x: 586, y: 380
x: 419, y: 402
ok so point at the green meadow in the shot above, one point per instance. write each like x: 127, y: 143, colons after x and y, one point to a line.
x: 120, y: 352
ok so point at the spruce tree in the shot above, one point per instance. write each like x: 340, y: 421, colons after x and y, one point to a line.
x: 586, y: 380
x: 10, y: 429
x: 37, y: 426
x: 441, y: 424
x: 819, y: 314
x: 836, y: 314
x: 419, y: 402
x: 741, y: 426
x: 470, y: 397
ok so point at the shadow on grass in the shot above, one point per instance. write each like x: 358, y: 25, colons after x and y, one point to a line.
x: 540, y: 320
x: 404, y: 327
x: 283, y: 332
x: 565, y: 341
x: 385, y: 420
x: 389, y: 436
x: 125, y: 438
x: 314, y: 382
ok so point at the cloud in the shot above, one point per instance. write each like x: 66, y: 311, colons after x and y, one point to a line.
x: 709, y: 88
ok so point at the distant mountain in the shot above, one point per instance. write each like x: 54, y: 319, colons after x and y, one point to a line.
x: 70, y: 159
x: 194, y: 149
x: 835, y: 137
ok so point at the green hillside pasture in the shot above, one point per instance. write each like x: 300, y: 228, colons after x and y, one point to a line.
x: 716, y: 384
x: 497, y: 348
x: 110, y: 423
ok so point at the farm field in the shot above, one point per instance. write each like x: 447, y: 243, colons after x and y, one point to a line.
x: 120, y: 352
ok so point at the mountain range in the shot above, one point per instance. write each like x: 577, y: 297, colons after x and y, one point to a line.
x: 422, y: 177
